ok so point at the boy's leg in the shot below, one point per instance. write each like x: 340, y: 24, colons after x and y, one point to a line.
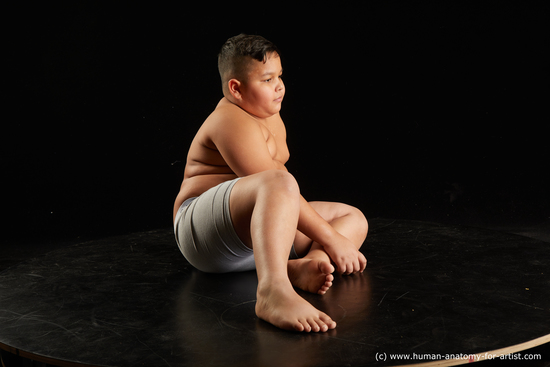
x: 264, y: 209
x: 346, y: 220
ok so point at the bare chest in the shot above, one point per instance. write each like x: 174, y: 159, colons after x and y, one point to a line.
x: 276, y: 143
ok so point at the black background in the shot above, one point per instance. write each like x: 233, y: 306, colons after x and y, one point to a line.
x: 429, y: 110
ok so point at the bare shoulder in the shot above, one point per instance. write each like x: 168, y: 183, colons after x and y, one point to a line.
x: 226, y: 109
x: 229, y: 121
x: 218, y: 123
x: 226, y: 115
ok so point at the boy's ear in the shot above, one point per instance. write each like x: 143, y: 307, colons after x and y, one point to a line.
x: 235, y: 88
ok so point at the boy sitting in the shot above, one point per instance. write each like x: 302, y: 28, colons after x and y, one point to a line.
x: 239, y: 209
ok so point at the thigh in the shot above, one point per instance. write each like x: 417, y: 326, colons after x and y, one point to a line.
x: 245, y: 194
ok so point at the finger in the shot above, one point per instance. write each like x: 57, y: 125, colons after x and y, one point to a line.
x: 357, y: 266
x: 363, y: 261
x: 342, y: 268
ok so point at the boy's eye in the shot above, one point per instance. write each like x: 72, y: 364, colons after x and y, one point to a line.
x: 270, y: 79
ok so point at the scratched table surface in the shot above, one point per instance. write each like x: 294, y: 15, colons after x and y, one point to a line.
x: 135, y: 301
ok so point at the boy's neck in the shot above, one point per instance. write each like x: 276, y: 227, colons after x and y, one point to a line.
x: 243, y: 109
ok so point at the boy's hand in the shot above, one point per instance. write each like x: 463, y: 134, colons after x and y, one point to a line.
x: 346, y: 257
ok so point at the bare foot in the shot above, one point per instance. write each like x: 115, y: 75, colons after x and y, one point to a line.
x: 281, y: 306
x: 310, y: 275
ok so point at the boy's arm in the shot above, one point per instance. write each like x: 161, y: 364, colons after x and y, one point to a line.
x: 242, y: 145
x: 342, y: 251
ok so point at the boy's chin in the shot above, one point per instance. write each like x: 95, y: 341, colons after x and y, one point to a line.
x: 267, y: 113
x: 277, y: 108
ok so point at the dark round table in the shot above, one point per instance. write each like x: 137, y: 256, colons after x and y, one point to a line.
x: 431, y: 294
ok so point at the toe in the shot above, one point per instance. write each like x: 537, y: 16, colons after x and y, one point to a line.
x: 326, y: 267
x: 328, y: 321
x: 315, y: 326
x: 322, y: 326
x: 305, y: 326
x: 298, y: 326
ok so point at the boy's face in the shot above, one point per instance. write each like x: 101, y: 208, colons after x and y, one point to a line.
x: 263, y: 90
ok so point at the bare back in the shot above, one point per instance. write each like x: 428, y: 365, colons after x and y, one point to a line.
x: 220, y: 149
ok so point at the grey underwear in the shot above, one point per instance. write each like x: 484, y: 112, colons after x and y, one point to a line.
x: 205, y: 234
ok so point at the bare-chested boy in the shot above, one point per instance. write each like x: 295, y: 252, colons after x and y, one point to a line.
x: 239, y: 209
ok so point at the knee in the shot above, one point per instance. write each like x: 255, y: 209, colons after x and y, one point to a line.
x: 365, y: 225
x: 277, y: 181
x: 361, y: 220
